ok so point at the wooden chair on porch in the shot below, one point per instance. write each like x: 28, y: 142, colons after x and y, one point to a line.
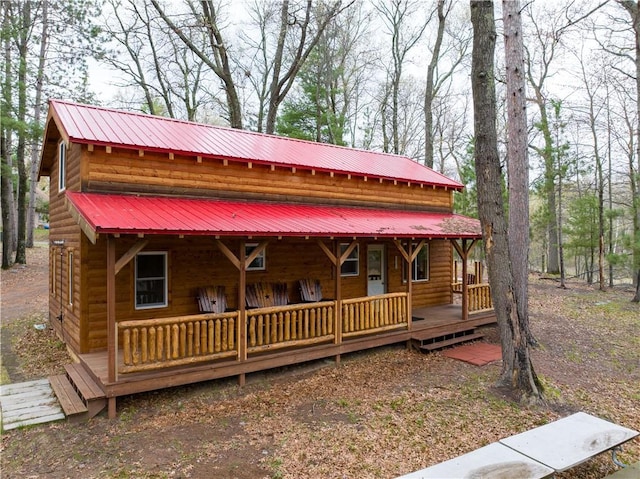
x: 310, y: 290
x: 212, y: 299
x: 263, y: 295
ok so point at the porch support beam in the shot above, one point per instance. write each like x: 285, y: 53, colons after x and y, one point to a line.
x: 410, y: 258
x: 228, y: 253
x: 129, y: 255
x: 332, y: 257
x: 338, y: 295
x: 112, y: 340
x: 463, y: 251
x: 347, y: 252
x: 254, y: 254
x: 242, y: 316
x: 403, y: 252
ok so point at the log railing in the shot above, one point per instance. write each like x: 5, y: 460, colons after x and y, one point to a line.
x: 293, y: 325
x: 479, y: 298
x: 374, y: 314
x: 165, y: 342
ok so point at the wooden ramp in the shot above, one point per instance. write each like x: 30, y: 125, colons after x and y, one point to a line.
x: 25, y: 404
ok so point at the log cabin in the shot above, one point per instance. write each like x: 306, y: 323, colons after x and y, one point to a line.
x: 182, y: 252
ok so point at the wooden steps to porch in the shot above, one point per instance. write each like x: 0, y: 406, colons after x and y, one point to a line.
x: 79, y: 395
x: 439, y: 342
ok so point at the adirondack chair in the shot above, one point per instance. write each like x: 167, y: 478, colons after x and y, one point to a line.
x: 212, y: 299
x: 310, y: 290
x: 262, y: 295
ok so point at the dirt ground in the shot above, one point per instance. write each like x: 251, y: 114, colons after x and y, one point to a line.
x: 379, y: 414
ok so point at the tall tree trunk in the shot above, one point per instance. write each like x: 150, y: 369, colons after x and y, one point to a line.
x: 35, y: 152
x: 429, y: 90
x: 6, y: 200
x: 21, y: 252
x: 6, y: 193
x: 517, y: 368
x: 634, y: 12
x: 517, y: 157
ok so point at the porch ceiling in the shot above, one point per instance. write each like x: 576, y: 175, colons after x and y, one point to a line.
x: 125, y: 214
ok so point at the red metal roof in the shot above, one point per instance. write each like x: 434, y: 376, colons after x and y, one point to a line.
x: 124, y: 214
x: 102, y: 126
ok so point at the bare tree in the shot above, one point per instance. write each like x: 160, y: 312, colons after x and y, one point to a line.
x: 458, y: 46
x: 517, y: 158
x: 397, y: 16
x: 208, y: 22
x: 634, y: 13
x: 540, y: 55
x: 517, y: 368
x: 298, y: 27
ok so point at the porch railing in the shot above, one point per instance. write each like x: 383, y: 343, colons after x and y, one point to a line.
x: 293, y: 325
x: 374, y: 314
x: 165, y: 342
x: 479, y: 298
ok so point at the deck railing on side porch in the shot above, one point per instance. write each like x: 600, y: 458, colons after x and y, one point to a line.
x: 479, y: 296
x: 374, y: 314
x: 292, y: 325
x: 166, y: 342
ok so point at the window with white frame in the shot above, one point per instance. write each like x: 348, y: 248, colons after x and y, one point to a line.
x: 351, y: 265
x: 62, y: 166
x: 419, y: 266
x: 259, y: 263
x: 151, y: 280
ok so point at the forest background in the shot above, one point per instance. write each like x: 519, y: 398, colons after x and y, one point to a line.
x: 386, y: 75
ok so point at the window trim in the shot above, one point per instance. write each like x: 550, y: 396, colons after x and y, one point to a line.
x: 62, y: 166
x: 165, y: 293
x: 356, y: 260
x: 248, y: 249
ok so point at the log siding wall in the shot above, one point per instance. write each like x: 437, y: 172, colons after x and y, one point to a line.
x: 196, y: 262
x: 125, y: 171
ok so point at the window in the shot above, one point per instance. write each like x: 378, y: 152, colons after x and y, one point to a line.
x: 62, y: 166
x: 351, y: 265
x: 151, y: 280
x: 70, y: 269
x: 259, y: 263
x: 420, y: 266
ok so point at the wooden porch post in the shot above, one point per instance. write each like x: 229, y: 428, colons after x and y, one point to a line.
x: 410, y: 286
x: 465, y: 289
x: 338, y: 296
x: 464, y: 254
x: 242, y: 317
x: 112, y: 340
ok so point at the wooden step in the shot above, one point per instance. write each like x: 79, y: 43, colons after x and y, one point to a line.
x: 449, y: 342
x: 72, y: 404
x: 89, y: 391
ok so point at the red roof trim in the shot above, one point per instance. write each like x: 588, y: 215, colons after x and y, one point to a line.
x: 152, y: 215
x: 88, y: 124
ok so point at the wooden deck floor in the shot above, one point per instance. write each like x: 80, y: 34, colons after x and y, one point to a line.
x: 427, y: 323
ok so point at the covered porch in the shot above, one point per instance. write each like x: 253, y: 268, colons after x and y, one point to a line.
x: 371, y: 304
x: 156, y: 354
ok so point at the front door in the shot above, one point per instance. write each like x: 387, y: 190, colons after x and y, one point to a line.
x: 375, y: 270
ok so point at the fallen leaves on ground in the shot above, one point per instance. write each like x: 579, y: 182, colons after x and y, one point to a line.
x: 379, y: 414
